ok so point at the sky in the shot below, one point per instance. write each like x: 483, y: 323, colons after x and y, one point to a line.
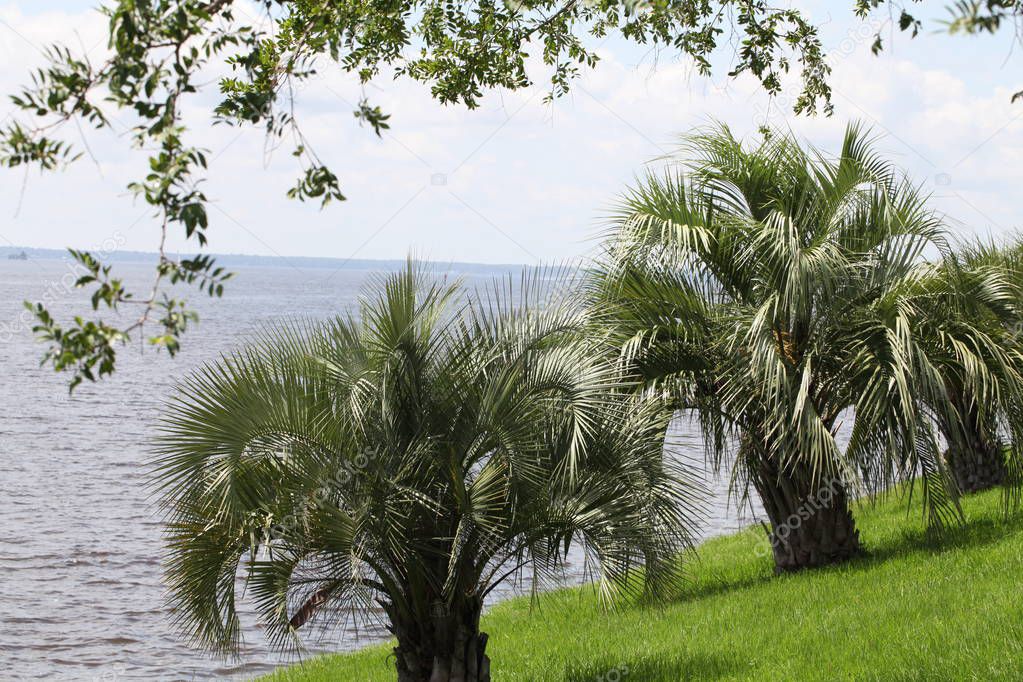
x: 519, y: 180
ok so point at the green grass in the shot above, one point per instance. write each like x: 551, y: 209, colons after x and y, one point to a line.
x: 909, y: 610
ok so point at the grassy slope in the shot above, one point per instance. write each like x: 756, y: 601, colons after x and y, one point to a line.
x: 907, y: 611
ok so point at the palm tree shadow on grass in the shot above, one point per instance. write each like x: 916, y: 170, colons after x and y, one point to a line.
x: 666, y: 668
x: 977, y: 532
x: 717, y: 585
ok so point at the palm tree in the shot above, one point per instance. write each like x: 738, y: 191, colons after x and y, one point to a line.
x: 416, y: 457
x: 985, y: 280
x: 778, y: 293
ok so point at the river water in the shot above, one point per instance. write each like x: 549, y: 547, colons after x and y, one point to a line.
x: 80, y: 555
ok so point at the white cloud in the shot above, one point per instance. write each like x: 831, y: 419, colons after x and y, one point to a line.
x: 521, y: 179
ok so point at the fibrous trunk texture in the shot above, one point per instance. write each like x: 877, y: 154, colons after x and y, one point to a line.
x: 976, y: 459
x: 977, y: 467
x: 445, y: 647
x: 811, y: 524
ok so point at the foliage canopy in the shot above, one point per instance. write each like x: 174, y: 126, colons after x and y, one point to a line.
x: 165, y: 53
x: 418, y: 456
x: 779, y: 291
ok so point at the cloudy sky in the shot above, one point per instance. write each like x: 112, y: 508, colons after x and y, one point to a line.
x: 518, y: 180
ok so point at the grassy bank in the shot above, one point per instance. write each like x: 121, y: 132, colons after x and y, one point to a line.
x: 907, y: 611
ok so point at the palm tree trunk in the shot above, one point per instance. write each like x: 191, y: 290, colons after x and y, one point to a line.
x: 811, y: 524
x: 447, y: 647
x: 978, y: 464
x: 976, y: 459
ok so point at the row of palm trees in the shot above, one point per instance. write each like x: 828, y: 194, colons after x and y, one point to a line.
x: 778, y: 293
x: 438, y: 442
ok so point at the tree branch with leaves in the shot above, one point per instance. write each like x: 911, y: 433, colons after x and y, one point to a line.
x: 163, y: 53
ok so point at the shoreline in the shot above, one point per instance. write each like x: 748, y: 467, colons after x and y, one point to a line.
x: 738, y: 621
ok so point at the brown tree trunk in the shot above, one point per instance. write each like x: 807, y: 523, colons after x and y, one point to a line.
x: 811, y: 524
x: 977, y: 465
x: 975, y: 457
x: 445, y: 647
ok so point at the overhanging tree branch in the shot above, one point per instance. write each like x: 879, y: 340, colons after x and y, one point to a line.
x: 159, y: 48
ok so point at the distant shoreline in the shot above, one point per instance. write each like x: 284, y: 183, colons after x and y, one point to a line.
x: 241, y: 260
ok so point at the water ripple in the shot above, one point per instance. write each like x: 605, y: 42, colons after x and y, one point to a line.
x: 81, y: 595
